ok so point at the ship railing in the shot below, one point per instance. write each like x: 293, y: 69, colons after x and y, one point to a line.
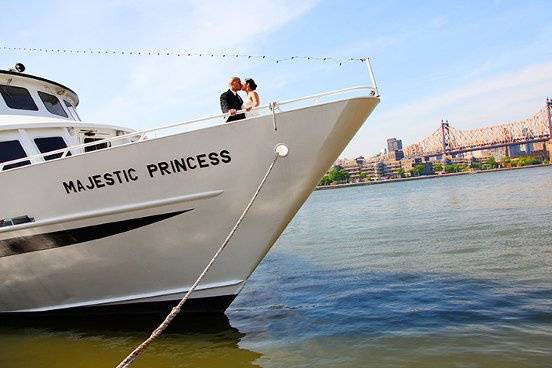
x: 196, y: 124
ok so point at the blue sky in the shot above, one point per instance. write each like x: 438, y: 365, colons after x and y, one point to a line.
x: 472, y: 62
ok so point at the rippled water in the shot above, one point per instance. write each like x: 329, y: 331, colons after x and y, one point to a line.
x: 450, y: 272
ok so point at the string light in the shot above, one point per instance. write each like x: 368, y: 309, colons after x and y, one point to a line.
x: 339, y: 61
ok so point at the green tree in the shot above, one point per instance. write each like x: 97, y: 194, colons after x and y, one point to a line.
x: 454, y: 168
x: 337, y: 173
x: 476, y: 165
x: 417, y: 170
x: 325, y: 180
x: 506, y: 161
x: 437, y: 166
x: 491, y: 163
x: 526, y: 160
x: 401, y: 173
x: 523, y: 161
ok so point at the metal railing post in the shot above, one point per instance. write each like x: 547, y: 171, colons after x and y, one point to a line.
x: 372, y: 78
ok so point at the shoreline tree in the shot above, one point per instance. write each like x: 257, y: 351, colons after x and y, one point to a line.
x: 335, y: 175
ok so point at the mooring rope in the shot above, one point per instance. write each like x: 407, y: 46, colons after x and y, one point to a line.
x: 280, y: 151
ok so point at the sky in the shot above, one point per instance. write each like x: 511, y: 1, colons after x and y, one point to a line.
x: 474, y: 63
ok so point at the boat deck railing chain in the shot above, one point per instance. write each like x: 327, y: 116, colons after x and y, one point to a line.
x: 181, y: 54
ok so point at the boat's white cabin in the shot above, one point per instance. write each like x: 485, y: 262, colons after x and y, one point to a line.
x: 38, y: 116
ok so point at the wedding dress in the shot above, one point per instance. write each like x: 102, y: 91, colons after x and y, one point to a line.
x: 247, y: 104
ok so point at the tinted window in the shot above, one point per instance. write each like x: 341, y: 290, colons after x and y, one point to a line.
x: 72, y: 110
x: 52, y: 104
x: 95, y: 147
x: 12, y: 150
x: 16, y: 221
x: 17, y: 98
x: 49, y: 144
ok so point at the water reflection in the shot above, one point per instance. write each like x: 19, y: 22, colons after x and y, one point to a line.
x: 356, y: 301
x: 191, y: 341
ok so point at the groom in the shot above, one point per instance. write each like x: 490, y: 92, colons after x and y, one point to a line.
x: 230, y: 101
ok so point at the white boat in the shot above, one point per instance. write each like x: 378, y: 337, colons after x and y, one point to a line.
x: 98, y: 218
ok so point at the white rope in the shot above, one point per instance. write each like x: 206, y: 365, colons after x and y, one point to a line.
x: 174, y: 312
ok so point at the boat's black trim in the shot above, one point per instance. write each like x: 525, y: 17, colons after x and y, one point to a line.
x: 216, y: 304
x: 57, y: 239
x: 119, y: 324
x: 18, y: 74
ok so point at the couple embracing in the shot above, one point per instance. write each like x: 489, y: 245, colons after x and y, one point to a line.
x: 231, y: 102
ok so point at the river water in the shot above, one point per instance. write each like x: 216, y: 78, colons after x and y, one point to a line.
x: 449, y: 272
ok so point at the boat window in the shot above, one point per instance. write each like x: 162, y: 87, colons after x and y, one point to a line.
x: 72, y: 110
x: 95, y: 147
x: 49, y: 144
x: 52, y: 104
x: 17, y: 98
x: 12, y: 150
x: 16, y: 221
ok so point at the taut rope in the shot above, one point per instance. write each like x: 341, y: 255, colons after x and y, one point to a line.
x: 281, y: 150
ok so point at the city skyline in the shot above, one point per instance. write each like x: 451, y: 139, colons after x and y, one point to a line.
x: 538, y: 124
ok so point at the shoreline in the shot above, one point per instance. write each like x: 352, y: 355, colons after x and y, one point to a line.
x: 424, y: 177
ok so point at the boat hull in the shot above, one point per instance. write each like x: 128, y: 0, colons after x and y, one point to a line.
x: 134, y: 225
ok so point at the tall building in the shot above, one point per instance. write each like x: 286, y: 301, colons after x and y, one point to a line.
x: 394, y: 148
x: 397, y: 155
x: 394, y: 144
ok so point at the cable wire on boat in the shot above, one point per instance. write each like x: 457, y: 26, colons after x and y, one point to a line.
x: 273, y: 106
x: 280, y: 150
x: 176, y: 53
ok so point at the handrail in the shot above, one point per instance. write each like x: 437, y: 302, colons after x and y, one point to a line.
x: 142, y: 134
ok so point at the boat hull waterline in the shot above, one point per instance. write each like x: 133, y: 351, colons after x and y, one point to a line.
x: 136, y: 224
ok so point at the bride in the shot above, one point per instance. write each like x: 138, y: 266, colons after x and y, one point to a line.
x: 249, y: 86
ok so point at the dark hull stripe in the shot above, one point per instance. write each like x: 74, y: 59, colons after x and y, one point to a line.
x: 208, y: 305
x: 57, y: 239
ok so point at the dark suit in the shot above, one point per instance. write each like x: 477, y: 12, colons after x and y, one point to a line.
x: 229, y: 100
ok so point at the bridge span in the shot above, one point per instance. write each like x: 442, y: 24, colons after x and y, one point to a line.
x: 447, y: 140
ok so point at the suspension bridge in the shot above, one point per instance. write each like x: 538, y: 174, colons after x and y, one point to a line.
x: 447, y: 140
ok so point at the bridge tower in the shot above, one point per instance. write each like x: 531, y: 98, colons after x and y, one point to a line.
x: 548, y: 145
x: 549, y: 108
x: 445, y: 132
